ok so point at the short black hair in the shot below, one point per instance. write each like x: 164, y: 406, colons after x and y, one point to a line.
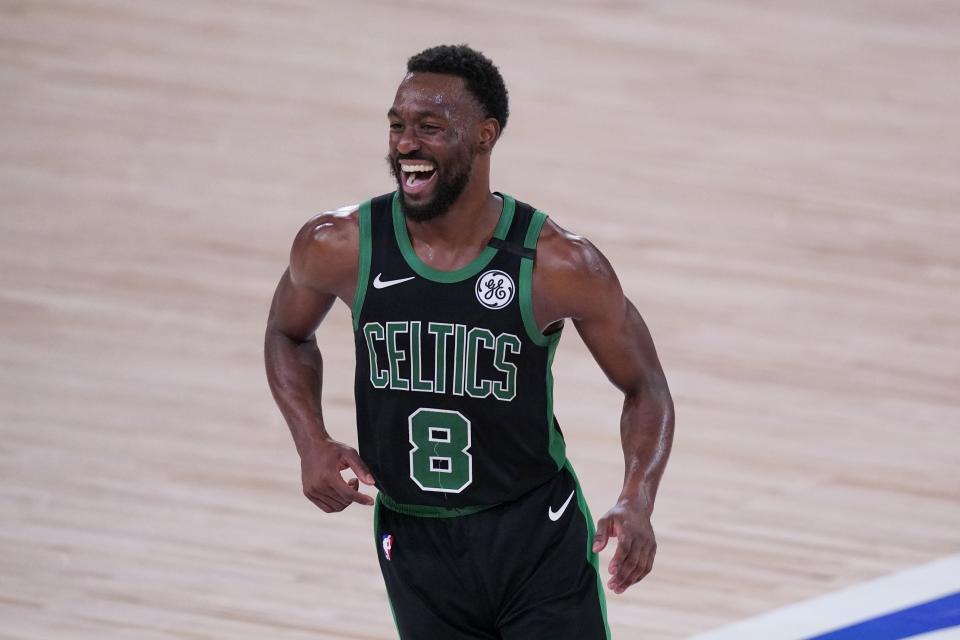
x: 481, y: 76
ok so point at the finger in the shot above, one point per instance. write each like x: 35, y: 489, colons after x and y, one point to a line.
x: 643, y: 567
x: 602, y: 535
x: 340, y: 501
x: 347, y: 491
x: 627, y: 569
x: 623, y: 551
x: 646, y: 564
x: 352, y: 458
x: 362, y: 498
x: 355, y: 485
x: 334, y: 499
x: 322, y: 504
x: 327, y: 495
x: 641, y: 570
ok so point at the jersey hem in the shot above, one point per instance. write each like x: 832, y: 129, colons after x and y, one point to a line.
x: 427, y: 511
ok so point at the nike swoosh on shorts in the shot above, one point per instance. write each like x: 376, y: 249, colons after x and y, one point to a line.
x: 555, y: 515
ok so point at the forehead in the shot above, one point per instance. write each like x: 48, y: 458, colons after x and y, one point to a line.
x: 434, y: 92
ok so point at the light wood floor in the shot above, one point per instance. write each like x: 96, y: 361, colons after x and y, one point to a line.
x: 777, y: 183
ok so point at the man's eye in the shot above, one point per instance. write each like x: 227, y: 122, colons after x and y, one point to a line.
x: 430, y: 127
x: 395, y: 126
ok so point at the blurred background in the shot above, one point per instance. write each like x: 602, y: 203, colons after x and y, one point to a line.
x: 776, y: 183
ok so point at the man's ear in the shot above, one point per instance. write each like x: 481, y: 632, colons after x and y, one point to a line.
x: 489, y: 134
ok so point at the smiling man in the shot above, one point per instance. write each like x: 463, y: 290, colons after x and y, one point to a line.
x: 458, y: 297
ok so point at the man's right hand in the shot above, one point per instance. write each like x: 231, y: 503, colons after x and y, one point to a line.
x: 320, y: 469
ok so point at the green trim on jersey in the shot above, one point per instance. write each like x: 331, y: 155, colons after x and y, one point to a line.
x: 592, y: 558
x: 377, y: 544
x: 426, y: 271
x: 526, y: 283
x: 556, y: 447
x: 555, y: 444
x: 425, y: 511
x: 363, y: 270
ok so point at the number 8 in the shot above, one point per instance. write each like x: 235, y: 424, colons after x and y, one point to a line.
x: 439, y: 460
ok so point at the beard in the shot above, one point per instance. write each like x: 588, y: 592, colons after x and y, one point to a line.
x: 450, y: 185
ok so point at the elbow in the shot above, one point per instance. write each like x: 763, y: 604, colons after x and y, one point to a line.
x: 654, y: 397
x: 664, y: 400
x: 270, y: 337
x: 669, y: 413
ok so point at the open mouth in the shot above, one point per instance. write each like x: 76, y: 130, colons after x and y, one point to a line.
x: 417, y: 175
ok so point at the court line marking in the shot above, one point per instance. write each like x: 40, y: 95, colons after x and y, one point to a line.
x: 855, y: 604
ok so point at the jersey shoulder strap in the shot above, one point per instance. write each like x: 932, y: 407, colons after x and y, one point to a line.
x: 382, y: 205
x: 513, y: 241
x: 372, y: 215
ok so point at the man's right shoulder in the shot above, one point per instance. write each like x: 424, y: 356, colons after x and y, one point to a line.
x: 326, y: 249
x: 330, y: 229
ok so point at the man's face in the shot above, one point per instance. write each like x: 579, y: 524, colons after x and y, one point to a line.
x: 432, y: 124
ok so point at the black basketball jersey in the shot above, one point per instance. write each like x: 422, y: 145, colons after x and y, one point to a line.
x: 453, y: 386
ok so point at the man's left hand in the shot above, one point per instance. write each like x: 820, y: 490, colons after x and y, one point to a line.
x: 629, y: 523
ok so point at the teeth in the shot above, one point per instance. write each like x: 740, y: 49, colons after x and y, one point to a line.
x: 408, y: 168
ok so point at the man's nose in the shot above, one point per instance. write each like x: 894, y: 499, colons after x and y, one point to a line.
x: 407, y: 142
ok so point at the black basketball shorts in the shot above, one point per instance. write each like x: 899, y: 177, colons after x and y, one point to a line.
x: 522, y: 570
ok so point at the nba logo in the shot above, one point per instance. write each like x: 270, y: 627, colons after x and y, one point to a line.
x: 387, y: 544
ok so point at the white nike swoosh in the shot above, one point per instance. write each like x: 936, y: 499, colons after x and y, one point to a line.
x: 383, y: 284
x: 555, y: 515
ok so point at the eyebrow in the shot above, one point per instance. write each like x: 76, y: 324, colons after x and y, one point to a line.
x: 420, y: 113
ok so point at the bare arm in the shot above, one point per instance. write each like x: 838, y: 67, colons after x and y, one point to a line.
x: 294, y: 364
x: 323, y: 267
x: 576, y: 281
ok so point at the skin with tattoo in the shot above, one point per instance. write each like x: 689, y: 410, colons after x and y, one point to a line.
x: 434, y: 118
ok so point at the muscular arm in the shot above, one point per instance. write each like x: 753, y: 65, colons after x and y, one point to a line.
x: 294, y: 364
x: 574, y: 280
x: 323, y: 267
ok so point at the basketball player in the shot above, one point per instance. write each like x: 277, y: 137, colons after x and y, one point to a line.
x: 458, y: 298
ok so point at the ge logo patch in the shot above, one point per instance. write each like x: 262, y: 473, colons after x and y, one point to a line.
x: 495, y: 289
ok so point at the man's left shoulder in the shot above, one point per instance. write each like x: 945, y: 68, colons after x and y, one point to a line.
x: 571, y: 277
x: 565, y: 253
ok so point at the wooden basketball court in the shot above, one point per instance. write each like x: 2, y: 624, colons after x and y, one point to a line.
x: 777, y: 183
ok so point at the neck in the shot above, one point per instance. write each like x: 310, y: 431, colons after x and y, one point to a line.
x: 468, y: 222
